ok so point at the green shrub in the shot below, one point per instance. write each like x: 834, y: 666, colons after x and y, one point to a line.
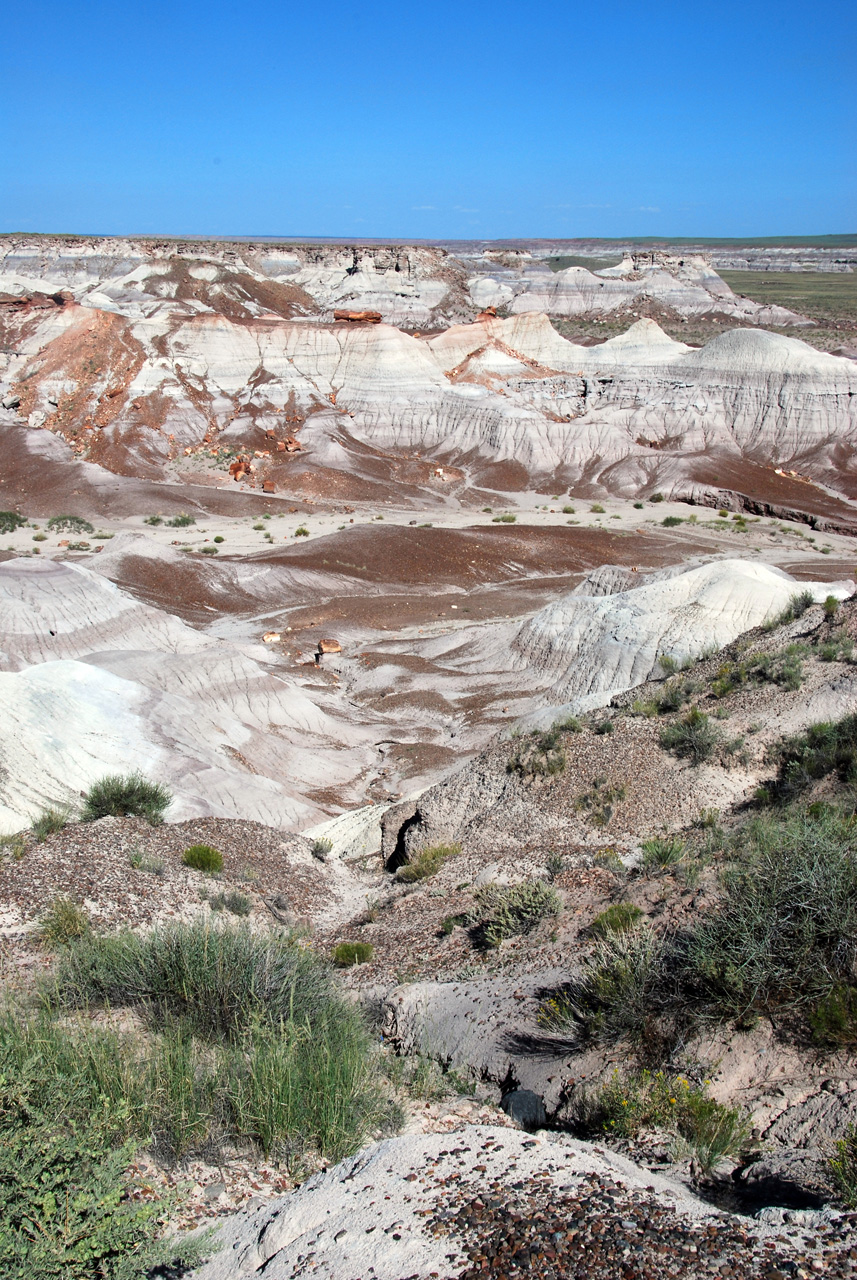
x: 508, y: 911
x: 63, y: 922
x: 508, y: 518
x: 603, y: 726
x: 128, y: 795
x: 615, y: 995
x: 347, y: 954
x: 843, y: 1166
x: 822, y: 749
x: 569, y: 511
x: 597, y: 509
x: 49, y: 821
x: 237, y: 904
x: 302, y: 531
x: 831, y: 604
x: 554, y: 865
x: 839, y: 648
x: 69, y: 524
x: 67, y: 1204
x: 321, y: 848
x: 202, y: 857
x: 219, y: 538
x: 40, y: 537
x: 599, y: 801
x: 694, y: 738
x: 783, y: 936
x: 662, y: 851
x: 259, y: 527
x: 10, y: 521
x: 641, y: 1100
x: 539, y: 755
x: 427, y: 862
x: 616, y: 918
x: 208, y: 551
x: 182, y: 521
x: 656, y: 497
x: 796, y: 608
x: 638, y: 506
x: 670, y: 522
x: 154, y: 520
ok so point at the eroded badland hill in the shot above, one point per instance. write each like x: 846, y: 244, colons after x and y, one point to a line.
x: 477, y: 620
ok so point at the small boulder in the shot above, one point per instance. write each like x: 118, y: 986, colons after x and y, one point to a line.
x: 525, y: 1108
x: 11, y: 401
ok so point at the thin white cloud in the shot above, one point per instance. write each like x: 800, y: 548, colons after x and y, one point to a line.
x: 419, y: 207
x: 648, y: 208
x: 459, y: 208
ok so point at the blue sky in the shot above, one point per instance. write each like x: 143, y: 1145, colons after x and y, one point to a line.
x: 467, y: 119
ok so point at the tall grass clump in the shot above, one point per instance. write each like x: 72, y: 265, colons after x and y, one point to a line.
x: 614, y: 996
x: 694, y: 738
x: 427, y: 862
x: 128, y: 795
x: 49, y: 822
x: 248, y: 1040
x: 796, y: 608
x: 826, y: 748
x: 203, y: 857
x: 843, y: 1166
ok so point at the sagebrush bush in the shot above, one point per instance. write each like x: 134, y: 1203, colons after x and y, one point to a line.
x: 507, y: 911
x: 127, y: 795
x: 783, y: 935
x: 237, y: 904
x: 203, y: 857
x: 182, y: 521
x: 694, y: 738
x: 426, y: 862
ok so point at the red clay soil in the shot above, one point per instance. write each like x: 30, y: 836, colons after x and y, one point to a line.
x: 767, y: 493
x: 41, y: 478
x: 471, y: 557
